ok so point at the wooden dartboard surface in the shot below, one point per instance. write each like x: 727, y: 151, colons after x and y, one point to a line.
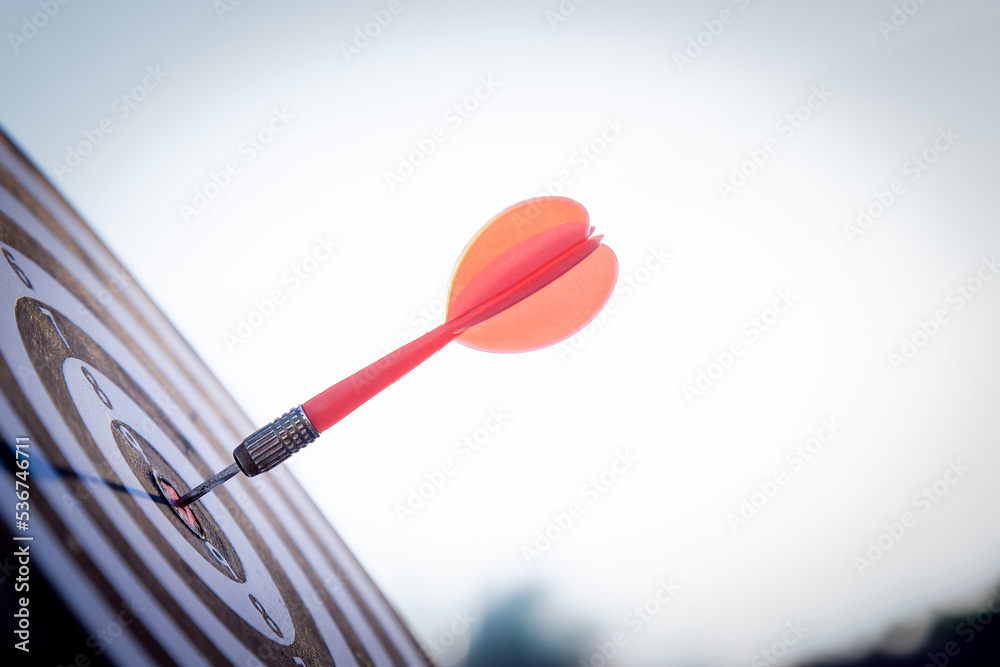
x: 109, y: 404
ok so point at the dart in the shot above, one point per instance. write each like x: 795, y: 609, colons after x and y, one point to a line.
x: 531, y: 277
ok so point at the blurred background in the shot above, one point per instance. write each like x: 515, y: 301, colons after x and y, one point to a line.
x: 777, y: 444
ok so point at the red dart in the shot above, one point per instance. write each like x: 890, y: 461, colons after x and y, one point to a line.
x: 532, y: 276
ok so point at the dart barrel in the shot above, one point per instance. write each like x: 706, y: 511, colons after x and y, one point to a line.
x: 270, y: 445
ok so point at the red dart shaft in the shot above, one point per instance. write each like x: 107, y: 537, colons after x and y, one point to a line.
x: 329, y: 407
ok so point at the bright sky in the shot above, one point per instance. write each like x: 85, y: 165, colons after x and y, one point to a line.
x: 778, y: 386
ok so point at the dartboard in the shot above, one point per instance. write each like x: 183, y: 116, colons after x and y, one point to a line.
x: 105, y: 412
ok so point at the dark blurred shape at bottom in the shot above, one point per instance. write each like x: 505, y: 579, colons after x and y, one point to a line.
x: 971, y: 639
x: 518, y: 631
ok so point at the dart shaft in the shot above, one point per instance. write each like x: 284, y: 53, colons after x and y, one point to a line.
x: 333, y: 404
x: 206, y: 486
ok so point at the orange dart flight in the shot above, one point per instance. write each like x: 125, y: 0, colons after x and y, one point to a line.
x: 532, y: 276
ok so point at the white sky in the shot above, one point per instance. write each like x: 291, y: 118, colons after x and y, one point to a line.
x: 676, y: 132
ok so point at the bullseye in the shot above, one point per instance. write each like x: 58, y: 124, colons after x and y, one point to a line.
x: 183, y: 513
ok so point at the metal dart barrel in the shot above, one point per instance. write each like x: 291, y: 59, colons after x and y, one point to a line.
x: 264, y: 449
x: 270, y: 445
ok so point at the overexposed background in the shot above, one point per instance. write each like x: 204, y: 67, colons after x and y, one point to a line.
x: 239, y: 158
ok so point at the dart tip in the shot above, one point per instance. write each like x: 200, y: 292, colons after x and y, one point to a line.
x: 207, y: 486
